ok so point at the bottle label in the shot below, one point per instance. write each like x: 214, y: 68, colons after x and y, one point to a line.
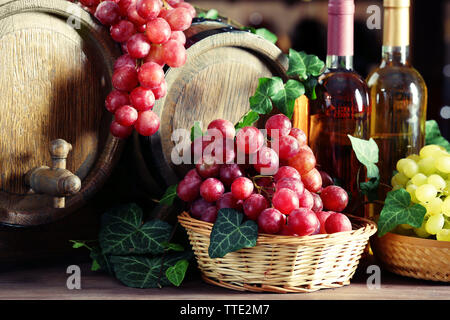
x: 344, y: 109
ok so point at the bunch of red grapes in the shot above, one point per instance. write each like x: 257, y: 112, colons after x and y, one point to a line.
x: 151, y: 35
x: 278, y: 186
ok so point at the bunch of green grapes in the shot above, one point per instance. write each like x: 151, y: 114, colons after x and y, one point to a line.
x: 426, y: 177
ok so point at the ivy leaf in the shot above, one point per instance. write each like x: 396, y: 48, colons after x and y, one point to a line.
x: 310, y: 88
x: 314, y: 66
x: 212, y: 14
x: 144, y: 272
x: 176, y: 273
x: 284, y: 100
x: 95, y: 266
x: 297, y: 65
x: 398, y: 209
x: 102, y: 260
x: 266, y: 34
x: 261, y: 101
x: 229, y: 234
x: 122, y: 232
x: 433, y: 135
x: 196, y: 131
x: 172, y: 246
x: 77, y: 244
x: 248, y: 120
x: 169, y: 196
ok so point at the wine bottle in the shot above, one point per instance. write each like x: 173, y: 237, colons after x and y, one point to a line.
x: 342, y: 106
x: 398, y: 93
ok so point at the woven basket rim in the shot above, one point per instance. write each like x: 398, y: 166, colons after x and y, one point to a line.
x: 366, y: 229
x: 429, y: 243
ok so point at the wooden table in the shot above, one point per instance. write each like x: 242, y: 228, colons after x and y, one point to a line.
x: 49, y: 282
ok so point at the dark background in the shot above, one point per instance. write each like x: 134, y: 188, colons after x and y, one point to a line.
x: 302, y: 25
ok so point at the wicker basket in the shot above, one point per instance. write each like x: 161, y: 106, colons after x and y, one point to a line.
x: 282, y: 264
x: 414, y: 257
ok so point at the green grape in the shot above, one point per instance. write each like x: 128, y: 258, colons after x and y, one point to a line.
x: 426, y: 166
x: 446, y: 190
x: 412, y: 192
x: 406, y: 226
x: 431, y: 150
x: 443, y: 163
x: 400, y: 178
x: 434, y: 206
x: 437, y: 181
x: 446, y: 207
x: 426, y: 192
x: 397, y: 187
x: 414, y: 157
x: 447, y: 222
x: 421, y: 232
x: 419, y: 179
x: 443, y: 235
x: 434, y: 223
x: 409, y: 168
x: 400, y: 164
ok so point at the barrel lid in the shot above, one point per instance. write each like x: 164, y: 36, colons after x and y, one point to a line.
x: 57, y: 64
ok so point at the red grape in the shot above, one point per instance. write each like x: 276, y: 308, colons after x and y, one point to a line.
x: 286, y: 172
x: 306, y: 200
x: 151, y: 75
x: 323, y: 216
x: 270, y: 221
x: 267, y: 161
x: 285, y: 200
x: 249, y: 140
x: 125, y: 60
x: 318, y: 204
x: 174, y: 54
x: 108, y: 13
x: 179, y: 19
x: 242, y: 188
x: 211, y: 189
x: 142, y: 99
x: 299, y: 135
x: 173, y: 2
x: 193, y: 175
x: 158, y: 31
x: 199, y: 206
x: 164, y: 12
x: 119, y: 131
x: 209, y: 215
x: 227, y: 201
x: 156, y: 55
x: 303, y: 221
x: 122, y: 31
x: 224, y: 126
x: 188, y: 190
x: 138, y: 46
x: 126, y: 115
x: 287, y: 146
x: 326, y: 179
x: 207, y: 168
x: 124, y: 5
x: 312, y: 180
x: 125, y: 78
x: 133, y: 15
x: 222, y: 150
x: 292, y: 184
x: 334, y: 198
x: 278, y: 125
x: 254, y: 205
x: 188, y: 6
x: 230, y: 172
x: 199, y: 145
x: 147, y: 123
x: 178, y: 36
x: 115, y: 100
x: 304, y: 161
x: 160, y: 91
x: 148, y: 9
x: 90, y: 3
x: 286, y: 231
x: 337, y: 222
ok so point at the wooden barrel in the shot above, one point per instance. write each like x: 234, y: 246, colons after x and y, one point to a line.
x: 220, y: 75
x: 57, y: 63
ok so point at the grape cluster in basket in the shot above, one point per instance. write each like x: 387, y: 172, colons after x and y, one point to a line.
x: 426, y: 176
x: 273, y: 181
x: 151, y: 35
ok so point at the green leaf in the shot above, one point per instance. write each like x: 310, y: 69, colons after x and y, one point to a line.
x: 297, y: 65
x: 314, y: 66
x: 266, y: 34
x: 247, y: 120
x: 169, y: 196
x: 229, y: 234
x: 77, y: 245
x: 261, y: 101
x: 122, y: 232
x: 176, y: 273
x: 144, y: 272
x: 433, y: 135
x: 172, y: 246
x: 201, y: 15
x: 196, y: 131
x: 95, y: 266
x: 398, y: 209
x: 102, y: 260
x: 284, y: 100
x: 366, y: 151
x: 310, y: 88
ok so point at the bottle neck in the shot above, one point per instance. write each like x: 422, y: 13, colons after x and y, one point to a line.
x: 395, y: 56
x: 339, y: 62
